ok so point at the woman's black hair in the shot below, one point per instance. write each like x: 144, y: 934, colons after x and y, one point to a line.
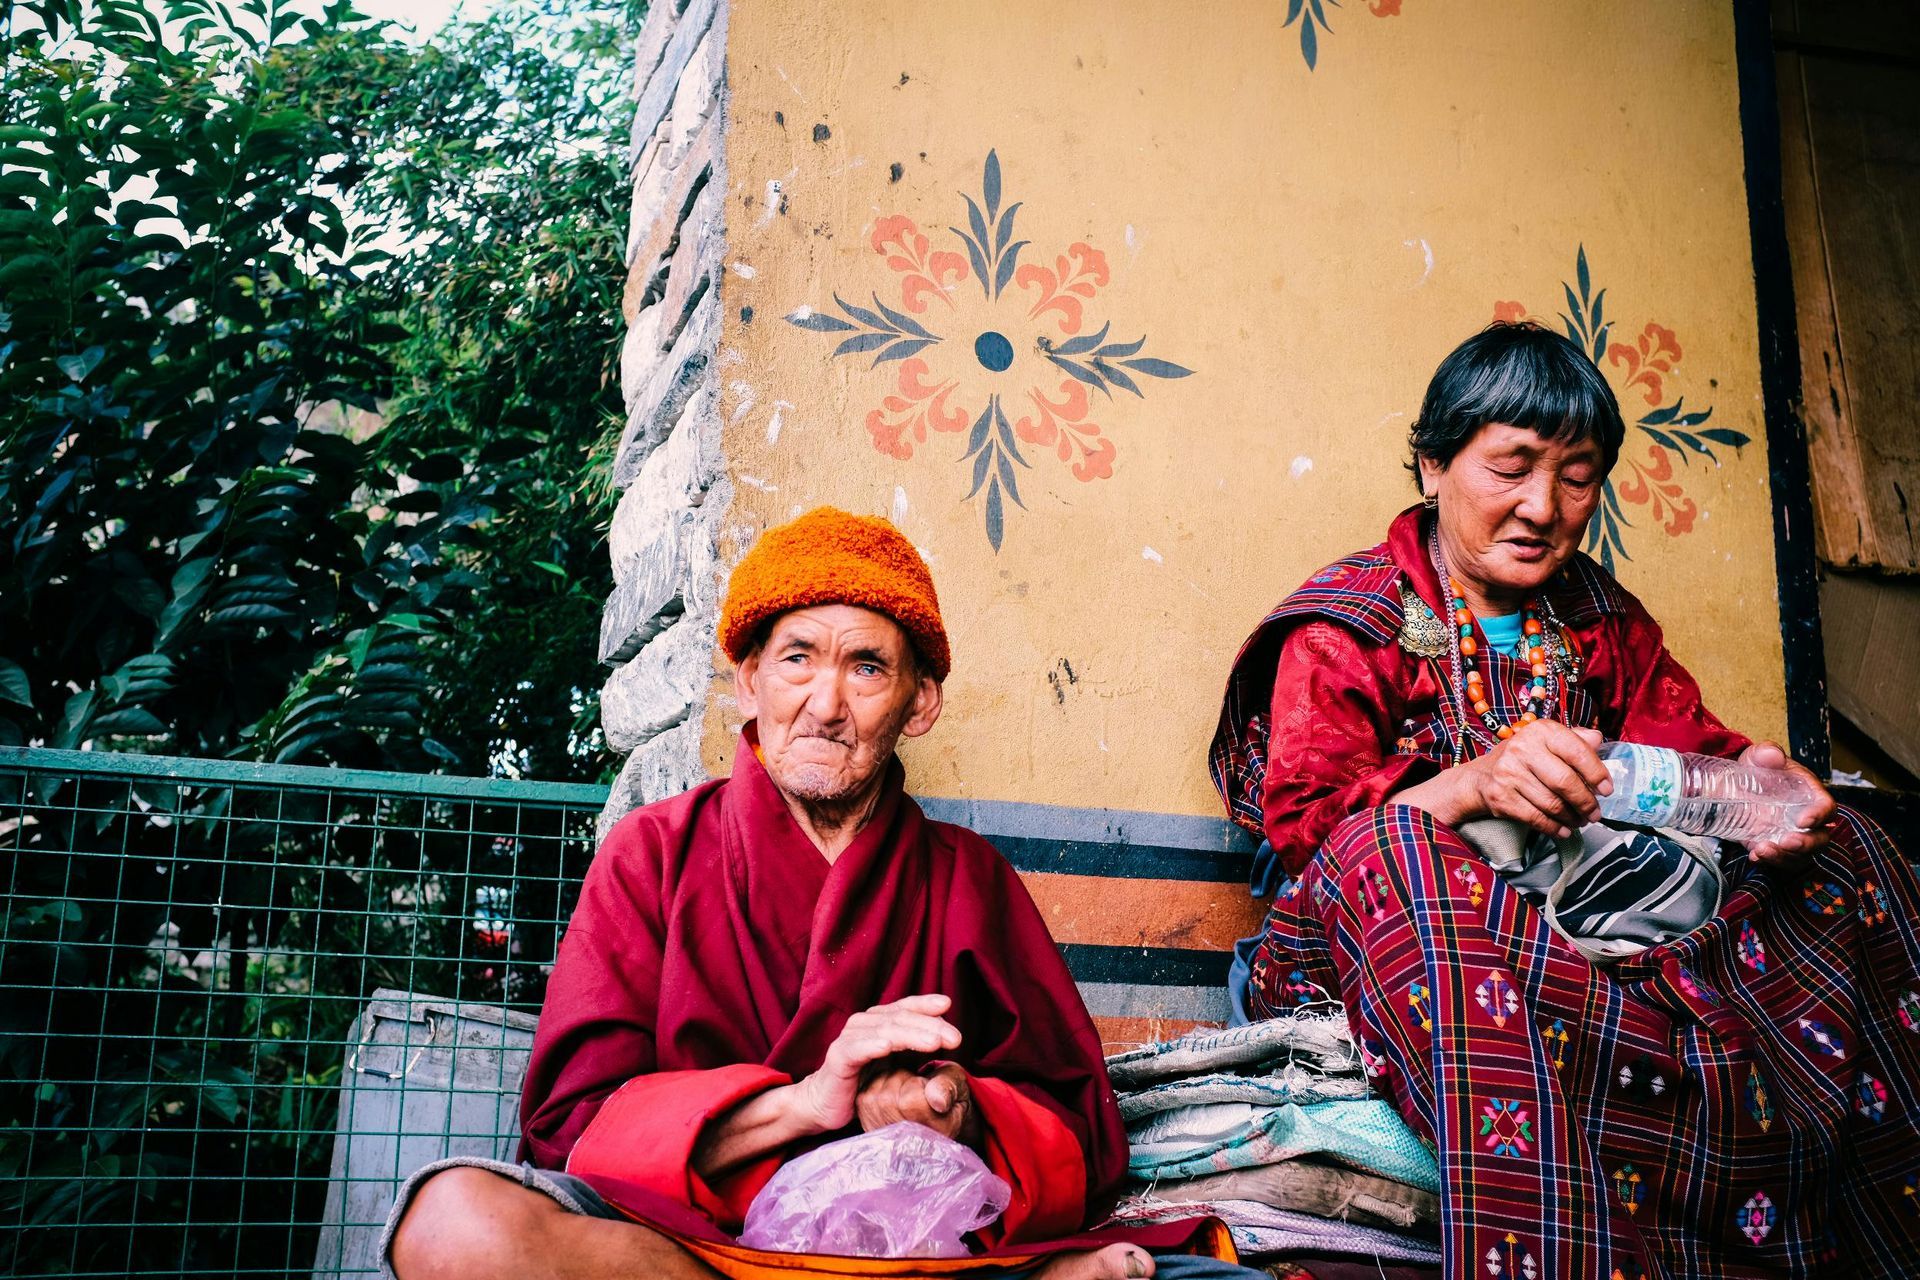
x: 1522, y: 374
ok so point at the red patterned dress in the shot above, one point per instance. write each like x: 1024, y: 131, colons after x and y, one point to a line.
x: 1742, y: 1101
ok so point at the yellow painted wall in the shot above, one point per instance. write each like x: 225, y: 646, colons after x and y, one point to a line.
x: 1309, y: 242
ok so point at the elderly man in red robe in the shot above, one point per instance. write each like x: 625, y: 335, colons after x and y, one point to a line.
x: 790, y: 955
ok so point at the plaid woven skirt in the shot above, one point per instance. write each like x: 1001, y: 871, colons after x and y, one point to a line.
x: 1742, y: 1101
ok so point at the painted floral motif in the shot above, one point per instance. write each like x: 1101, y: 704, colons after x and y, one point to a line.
x: 1004, y: 398
x: 1555, y: 1038
x: 1645, y: 373
x: 1506, y: 1127
x: 1509, y: 1256
x: 1310, y: 17
x: 1497, y: 997
x: 1759, y: 1105
x: 1752, y: 953
x: 1628, y: 1185
x: 1870, y: 1098
x: 1756, y: 1217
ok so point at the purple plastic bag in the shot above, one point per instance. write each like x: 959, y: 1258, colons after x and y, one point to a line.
x: 899, y: 1192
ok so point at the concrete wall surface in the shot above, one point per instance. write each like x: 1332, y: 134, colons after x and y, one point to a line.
x: 1121, y: 313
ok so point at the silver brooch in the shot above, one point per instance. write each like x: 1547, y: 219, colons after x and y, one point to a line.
x: 1421, y: 632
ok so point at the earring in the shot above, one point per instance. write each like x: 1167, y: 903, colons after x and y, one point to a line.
x: 1431, y: 501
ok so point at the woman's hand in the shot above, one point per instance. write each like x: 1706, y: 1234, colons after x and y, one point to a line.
x: 828, y: 1098
x: 1792, y: 851
x: 1546, y: 776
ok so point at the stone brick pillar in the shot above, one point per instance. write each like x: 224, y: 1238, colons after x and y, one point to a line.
x: 657, y: 632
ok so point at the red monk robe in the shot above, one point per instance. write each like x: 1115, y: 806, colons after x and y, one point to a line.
x: 715, y: 954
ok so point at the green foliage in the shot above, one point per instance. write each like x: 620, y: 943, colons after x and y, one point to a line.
x: 305, y: 356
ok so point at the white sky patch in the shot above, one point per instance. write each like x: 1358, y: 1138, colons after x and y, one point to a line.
x: 1148, y: 553
x: 1301, y: 465
x: 1426, y: 252
x: 425, y: 17
x: 745, y: 270
x: 773, y: 422
x: 899, y: 503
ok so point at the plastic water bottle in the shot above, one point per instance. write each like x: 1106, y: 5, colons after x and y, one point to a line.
x: 1701, y: 795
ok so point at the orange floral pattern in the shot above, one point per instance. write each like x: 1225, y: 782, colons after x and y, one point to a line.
x: 905, y: 248
x: 903, y: 420
x: 1077, y: 275
x: 1648, y: 369
x: 1000, y: 358
x: 1061, y: 425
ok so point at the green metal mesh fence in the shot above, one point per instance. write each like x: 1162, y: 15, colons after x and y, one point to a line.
x: 189, y: 956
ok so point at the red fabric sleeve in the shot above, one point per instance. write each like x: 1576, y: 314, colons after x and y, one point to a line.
x: 645, y: 1134
x: 1336, y: 709
x: 1651, y: 697
x: 1024, y: 1143
x: 597, y: 1026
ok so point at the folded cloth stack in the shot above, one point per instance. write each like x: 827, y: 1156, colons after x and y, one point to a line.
x: 1273, y: 1128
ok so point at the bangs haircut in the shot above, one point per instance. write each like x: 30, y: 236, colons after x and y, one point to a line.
x: 1522, y: 374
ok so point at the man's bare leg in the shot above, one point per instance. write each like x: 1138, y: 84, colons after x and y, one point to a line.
x: 471, y: 1224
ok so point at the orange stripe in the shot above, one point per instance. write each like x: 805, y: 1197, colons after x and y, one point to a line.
x: 1119, y: 912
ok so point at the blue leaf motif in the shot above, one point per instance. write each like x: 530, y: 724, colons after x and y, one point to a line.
x: 1293, y: 11
x: 1726, y: 435
x: 1007, y: 264
x: 1114, y: 350
x: 1309, y: 44
x: 996, y: 523
x: 1080, y: 374
x: 991, y: 186
x: 1006, y: 434
x: 1662, y: 416
x: 978, y: 437
x: 1157, y: 368
x: 1006, y: 478
x: 978, y: 258
x: 1005, y: 230
x: 1580, y: 269
x: 861, y: 314
x: 1116, y: 377
x: 902, y: 349
x: 981, y: 461
x: 901, y: 322
x: 818, y: 322
x: 1661, y: 437
x: 863, y: 342
x: 979, y: 225
x: 1084, y: 343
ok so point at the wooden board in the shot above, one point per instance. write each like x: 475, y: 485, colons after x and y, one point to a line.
x: 1851, y: 184
x: 1873, y: 668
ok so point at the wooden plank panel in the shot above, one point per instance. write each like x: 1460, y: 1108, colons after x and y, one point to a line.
x: 1851, y: 183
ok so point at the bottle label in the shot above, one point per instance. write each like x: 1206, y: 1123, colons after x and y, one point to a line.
x: 1656, y: 775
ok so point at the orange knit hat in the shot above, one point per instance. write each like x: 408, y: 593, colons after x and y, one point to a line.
x: 830, y: 557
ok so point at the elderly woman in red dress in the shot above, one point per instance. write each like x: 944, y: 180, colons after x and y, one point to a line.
x: 1742, y: 1099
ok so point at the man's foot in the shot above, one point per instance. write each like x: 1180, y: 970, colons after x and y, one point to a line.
x: 1115, y: 1262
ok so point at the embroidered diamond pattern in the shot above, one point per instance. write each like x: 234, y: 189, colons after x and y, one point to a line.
x: 1756, y: 1217
x: 1752, y: 953
x: 1507, y: 1128
x: 1627, y: 1183
x: 1511, y: 1257
x: 1871, y: 1098
x: 1497, y: 997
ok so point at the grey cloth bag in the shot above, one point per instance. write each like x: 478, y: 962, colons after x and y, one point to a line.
x: 1611, y: 891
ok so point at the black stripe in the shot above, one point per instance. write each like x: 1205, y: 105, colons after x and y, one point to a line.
x: 1790, y: 475
x: 1124, y: 861
x: 1146, y: 966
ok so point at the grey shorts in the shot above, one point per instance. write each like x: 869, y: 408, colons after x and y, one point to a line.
x: 565, y: 1190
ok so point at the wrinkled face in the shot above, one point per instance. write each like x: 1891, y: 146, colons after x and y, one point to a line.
x: 1513, y: 507
x: 832, y: 691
